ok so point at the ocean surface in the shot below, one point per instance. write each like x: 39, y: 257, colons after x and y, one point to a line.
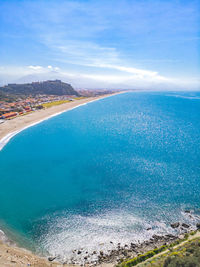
x: 102, y: 172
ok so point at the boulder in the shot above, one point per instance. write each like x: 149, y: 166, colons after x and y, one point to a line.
x: 133, y: 245
x: 51, y: 258
x: 198, y: 225
x: 175, y: 225
x: 170, y: 236
x: 187, y: 211
x: 156, y: 237
x: 185, y: 225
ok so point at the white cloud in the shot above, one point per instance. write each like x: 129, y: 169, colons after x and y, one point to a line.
x: 35, y: 67
x: 38, y: 68
x: 91, y: 37
x: 136, y: 73
x: 129, y: 78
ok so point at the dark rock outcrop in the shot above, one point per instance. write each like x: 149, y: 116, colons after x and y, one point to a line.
x: 185, y: 225
x: 175, y: 225
x: 51, y: 258
x: 198, y: 225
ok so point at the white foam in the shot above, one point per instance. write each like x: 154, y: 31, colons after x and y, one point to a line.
x: 64, y: 234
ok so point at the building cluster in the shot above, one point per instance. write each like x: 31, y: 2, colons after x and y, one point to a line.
x: 22, y: 106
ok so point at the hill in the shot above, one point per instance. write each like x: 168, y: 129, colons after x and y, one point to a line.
x: 55, y: 87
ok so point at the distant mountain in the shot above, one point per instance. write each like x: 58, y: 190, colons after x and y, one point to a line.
x: 55, y: 87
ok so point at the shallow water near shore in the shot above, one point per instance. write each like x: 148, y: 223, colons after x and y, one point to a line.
x: 105, y: 171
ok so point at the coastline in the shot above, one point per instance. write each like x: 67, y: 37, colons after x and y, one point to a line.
x: 19, y: 257
x: 119, y: 250
x: 10, y: 253
x: 10, y: 128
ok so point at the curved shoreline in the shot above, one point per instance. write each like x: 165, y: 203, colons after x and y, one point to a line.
x: 57, y: 111
x: 7, y: 247
x: 7, y: 138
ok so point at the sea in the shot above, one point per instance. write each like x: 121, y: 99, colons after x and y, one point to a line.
x: 116, y: 170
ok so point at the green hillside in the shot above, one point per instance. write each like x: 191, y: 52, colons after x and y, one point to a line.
x: 182, y: 253
x: 47, y: 87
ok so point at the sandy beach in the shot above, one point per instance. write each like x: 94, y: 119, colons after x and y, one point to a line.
x: 11, y: 127
x: 18, y: 257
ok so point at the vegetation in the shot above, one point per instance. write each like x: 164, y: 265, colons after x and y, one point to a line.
x: 142, y: 257
x: 78, y: 98
x: 181, y: 253
x: 54, y: 103
x: 39, y: 107
x: 47, y: 88
x: 186, y: 256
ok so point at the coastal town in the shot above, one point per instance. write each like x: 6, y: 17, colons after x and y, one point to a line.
x: 23, y: 106
x: 21, y: 99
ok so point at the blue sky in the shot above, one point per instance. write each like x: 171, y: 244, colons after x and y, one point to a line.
x: 145, y: 44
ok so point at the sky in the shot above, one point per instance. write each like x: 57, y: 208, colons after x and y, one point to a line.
x: 114, y: 44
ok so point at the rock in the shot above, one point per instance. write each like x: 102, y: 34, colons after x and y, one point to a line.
x: 51, y: 258
x: 111, y: 242
x: 185, y: 225
x: 170, y: 236
x: 133, y: 245
x: 187, y: 211
x: 101, y: 253
x: 183, y: 230
x: 198, y: 225
x: 148, y: 229
x: 124, y: 253
x: 175, y: 225
x: 156, y: 237
x: 79, y: 252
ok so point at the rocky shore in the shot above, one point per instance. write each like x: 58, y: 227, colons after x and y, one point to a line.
x: 120, y: 252
x: 123, y: 252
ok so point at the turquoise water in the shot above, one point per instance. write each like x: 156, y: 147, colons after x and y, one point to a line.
x: 105, y: 171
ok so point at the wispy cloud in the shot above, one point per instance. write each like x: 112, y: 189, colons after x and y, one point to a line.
x: 81, y: 80
x: 126, y: 43
x: 35, y: 67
